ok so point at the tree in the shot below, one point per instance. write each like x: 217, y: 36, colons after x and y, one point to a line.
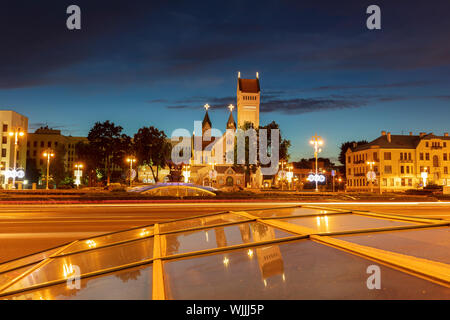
x: 33, y: 173
x: 152, y: 148
x: 344, y: 147
x: 90, y: 158
x: 283, y: 146
x: 110, y: 144
x: 57, y: 167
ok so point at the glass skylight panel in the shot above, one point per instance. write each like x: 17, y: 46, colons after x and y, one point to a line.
x: 27, y: 260
x: 133, y: 283
x: 283, y: 212
x: 302, y: 269
x: 346, y: 222
x: 100, y: 241
x: 87, y: 262
x: 430, y: 243
x: 200, y: 222
x: 217, y: 237
x: 10, y: 275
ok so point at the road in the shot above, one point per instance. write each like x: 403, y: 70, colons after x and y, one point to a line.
x: 25, y: 229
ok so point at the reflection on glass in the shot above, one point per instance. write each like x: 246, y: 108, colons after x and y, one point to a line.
x: 200, y: 222
x: 88, y: 261
x: 345, y: 222
x: 301, y: 269
x: 27, y: 260
x: 109, y: 239
x: 10, y: 275
x: 298, y: 211
x: 430, y: 243
x: 219, y: 237
x: 133, y: 283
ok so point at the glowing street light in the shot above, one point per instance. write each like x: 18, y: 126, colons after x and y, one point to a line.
x: 424, y: 176
x: 78, y: 174
x: 17, y: 133
x: 282, y: 162
x: 187, y: 173
x: 316, y: 141
x: 131, y: 160
x: 48, y: 154
x: 371, y: 175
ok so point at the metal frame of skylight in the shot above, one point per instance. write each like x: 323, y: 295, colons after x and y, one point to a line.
x: 158, y: 290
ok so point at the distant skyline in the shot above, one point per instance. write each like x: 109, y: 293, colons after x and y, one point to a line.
x: 142, y: 63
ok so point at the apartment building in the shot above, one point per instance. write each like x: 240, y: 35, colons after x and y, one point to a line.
x: 399, y: 162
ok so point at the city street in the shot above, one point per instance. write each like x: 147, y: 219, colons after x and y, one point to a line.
x: 26, y: 229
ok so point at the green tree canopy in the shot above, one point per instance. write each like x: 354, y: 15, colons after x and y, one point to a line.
x: 152, y: 148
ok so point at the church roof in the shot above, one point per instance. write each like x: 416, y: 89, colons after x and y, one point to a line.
x: 249, y: 85
x: 206, y: 120
x: 231, y: 124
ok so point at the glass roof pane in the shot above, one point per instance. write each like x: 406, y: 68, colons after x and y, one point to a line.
x: 302, y: 269
x: 133, y: 283
x: 27, y: 260
x: 218, y: 237
x: 346, y: 222
x: 109, y: 239
x: 200, y: 222
x: 10, y: 275
x: 430, y: 243
x: 298, y: 211
x: 88, y: 261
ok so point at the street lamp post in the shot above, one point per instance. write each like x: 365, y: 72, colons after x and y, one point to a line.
x: 78, y: 174
x: 17, y: 133
x: 187, y: 173
x: 49, y: 153
x: 371, y: 174
x: 316, y: 141
x: 282, y: 170
x: 131, y: 160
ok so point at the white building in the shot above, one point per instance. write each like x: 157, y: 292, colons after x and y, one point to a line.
x: 11, y: 125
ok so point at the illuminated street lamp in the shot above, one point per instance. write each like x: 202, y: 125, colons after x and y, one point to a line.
x: 424, y: 176
x: 48, y: 154
x: 316, y: 141
x: 290, y: 175
x: 17, y: 133
x: 187, y: 173
x: 131, y: 160
x: 78, y: 174
x: 282, y: 163
x: 371, y: 175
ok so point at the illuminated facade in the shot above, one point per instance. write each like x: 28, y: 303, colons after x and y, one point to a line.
x: 45, y: 138
x: 12, y: 121
x: 248, y: 100
x: 399, y: 162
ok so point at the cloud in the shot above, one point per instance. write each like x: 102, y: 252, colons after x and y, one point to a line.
x: 304, y: 105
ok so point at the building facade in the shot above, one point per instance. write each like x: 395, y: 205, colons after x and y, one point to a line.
x: 248, y: 100
x: 43, y: 139
x: 400, y: 162
x: 12, y: 123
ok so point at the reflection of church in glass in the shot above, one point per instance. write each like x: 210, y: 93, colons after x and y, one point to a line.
x: 204, y: 168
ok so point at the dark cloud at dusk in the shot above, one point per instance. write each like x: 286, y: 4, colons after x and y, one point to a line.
x: 161, y: 61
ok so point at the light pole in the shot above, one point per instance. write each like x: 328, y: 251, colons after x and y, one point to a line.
x: 17, y: 133
x: 316, y: 141
x: 371, y: 176
x: 131, y: 160
x: 78, y: 174
x: 282, y: 162
x: 49, y: 154
x: 187, y: 173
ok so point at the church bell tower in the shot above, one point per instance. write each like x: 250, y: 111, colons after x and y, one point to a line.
x: 248, y: 99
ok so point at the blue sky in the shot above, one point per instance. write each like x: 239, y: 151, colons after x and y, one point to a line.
x: 141, y: 63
